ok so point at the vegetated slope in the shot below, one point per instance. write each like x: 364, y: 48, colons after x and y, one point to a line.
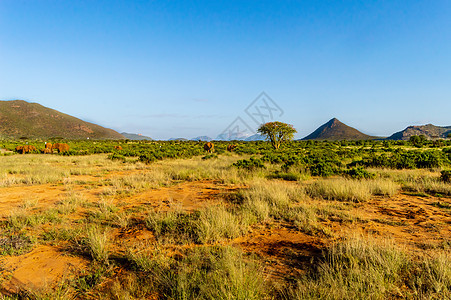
x: 19, y: 118
x: 336, y: 130
x: 134, y: 136
x: 429, y: 130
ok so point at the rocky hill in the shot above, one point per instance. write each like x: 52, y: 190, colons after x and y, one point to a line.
x: 430, y: 131
x: 335, y: 130
x: 19, y: 118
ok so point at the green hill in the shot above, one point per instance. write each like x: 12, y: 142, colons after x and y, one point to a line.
x: 19, y: 118
x: 334, y: 130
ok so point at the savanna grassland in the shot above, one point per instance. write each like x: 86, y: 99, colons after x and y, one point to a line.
x: 165, y: 220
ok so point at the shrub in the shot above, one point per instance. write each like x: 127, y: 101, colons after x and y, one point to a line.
x: 210, y: 156
x: 147, y: 158
x: 69, y: 153
x: 446, y: 176
x: 359, y: 173
x: 418, y: 140
x: 292, y: 161
x: 404, y: 161
x: 273, y: 158
x: 429, y: 159
x: 116, y: 156
x: 323, y: 169
x: 249, y: 164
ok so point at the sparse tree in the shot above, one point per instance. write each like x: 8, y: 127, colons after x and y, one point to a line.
x: 277, y: 132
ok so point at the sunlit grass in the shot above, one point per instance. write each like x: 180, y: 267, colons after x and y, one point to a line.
x: 33, y: 169
x: 351, y: 190
x: 363, y: 268
x: 419, y: 181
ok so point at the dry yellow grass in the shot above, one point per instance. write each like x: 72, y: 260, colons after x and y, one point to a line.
x: 342, y: 189
x: 139, y: 248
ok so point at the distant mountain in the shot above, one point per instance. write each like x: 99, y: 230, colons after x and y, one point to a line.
x: 236, y: 136
x: 19, y: 118
x: 429, y: 130
x: 334, y: 130
x: 255, y: 137
x: 178, y: 139
x: 137, y: 137
x: 203, y: 138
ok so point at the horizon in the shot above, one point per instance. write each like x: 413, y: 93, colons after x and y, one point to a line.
x: 216, y: 138
x: 188, y: 69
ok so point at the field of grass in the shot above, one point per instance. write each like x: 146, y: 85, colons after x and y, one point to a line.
x: 315, y: 220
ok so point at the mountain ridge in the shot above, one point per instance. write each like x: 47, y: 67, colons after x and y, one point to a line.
x: 19, y: 118
x: 429, y: 131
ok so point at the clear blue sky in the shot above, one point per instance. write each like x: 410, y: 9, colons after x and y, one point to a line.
x: 187, y: 68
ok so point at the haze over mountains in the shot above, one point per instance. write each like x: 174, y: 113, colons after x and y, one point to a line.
x: 19, y: 118
x: 136, y: 136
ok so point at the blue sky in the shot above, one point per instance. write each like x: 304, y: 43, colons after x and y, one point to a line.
x: 188, y: 68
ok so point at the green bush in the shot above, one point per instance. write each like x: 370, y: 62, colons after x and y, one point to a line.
x: 418, y: 140
x: 359, y: 173
x: 249, y: 164
x: 69, y: 153
x: 429, y: 159
x: 292, y: 161
x: 116, y: 156
x: 323, y: 169
x: 210, y: 156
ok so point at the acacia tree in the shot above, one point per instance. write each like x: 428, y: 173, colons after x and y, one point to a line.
x: 277, y: 132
